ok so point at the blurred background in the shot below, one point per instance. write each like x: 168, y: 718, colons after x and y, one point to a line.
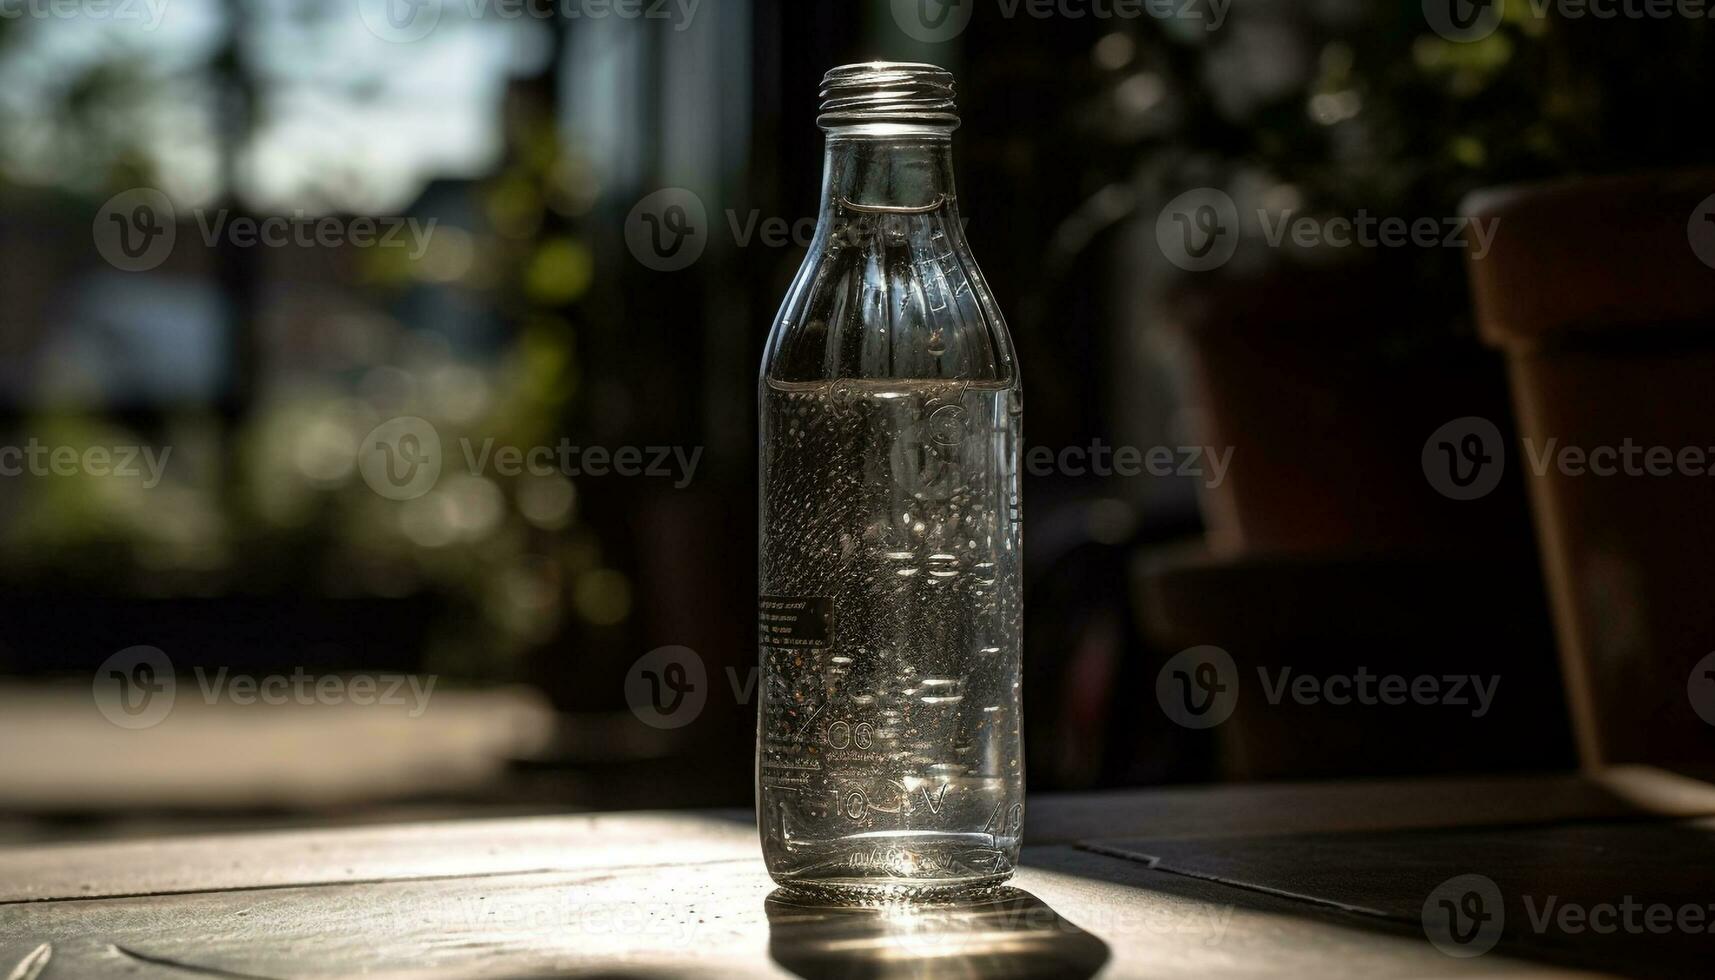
x: 510, y: 150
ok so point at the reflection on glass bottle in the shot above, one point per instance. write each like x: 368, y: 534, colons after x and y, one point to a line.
x: 889, y: 758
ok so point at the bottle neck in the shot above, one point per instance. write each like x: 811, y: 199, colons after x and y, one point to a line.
x: 867, y: 172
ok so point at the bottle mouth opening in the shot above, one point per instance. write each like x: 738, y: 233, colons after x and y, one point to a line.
x: 886, y: 92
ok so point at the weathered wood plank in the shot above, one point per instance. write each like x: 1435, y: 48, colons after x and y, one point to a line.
x: 430, y: 850
x: 1077, y: 912
x: 1635, y: 896
x: 440, y: 849
x: 675, y: 893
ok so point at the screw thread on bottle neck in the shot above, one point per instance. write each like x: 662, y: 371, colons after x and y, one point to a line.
x: 888, y: 98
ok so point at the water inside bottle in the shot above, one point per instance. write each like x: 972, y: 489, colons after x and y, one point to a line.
x: 889, y: 756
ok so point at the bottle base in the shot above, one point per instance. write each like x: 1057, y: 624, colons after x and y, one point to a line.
x: 864, y: 891
x: 883, y: 867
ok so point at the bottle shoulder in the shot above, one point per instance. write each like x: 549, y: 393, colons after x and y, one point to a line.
x: 890, y: 296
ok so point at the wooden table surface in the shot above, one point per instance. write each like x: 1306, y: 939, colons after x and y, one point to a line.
x: 1184, y: 882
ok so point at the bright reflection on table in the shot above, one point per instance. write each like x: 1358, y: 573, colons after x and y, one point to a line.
x: 1007, y: 933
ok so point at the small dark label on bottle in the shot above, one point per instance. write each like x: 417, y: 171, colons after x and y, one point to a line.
x: 795, y: 622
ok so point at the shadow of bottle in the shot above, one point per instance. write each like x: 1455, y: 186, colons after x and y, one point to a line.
x: 1009, y: 933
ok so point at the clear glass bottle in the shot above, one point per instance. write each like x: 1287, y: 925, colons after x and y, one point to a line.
x: 889, y: 746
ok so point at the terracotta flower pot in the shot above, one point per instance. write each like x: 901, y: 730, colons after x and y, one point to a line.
x: 1302, y: 373
x: 1602, y: 294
